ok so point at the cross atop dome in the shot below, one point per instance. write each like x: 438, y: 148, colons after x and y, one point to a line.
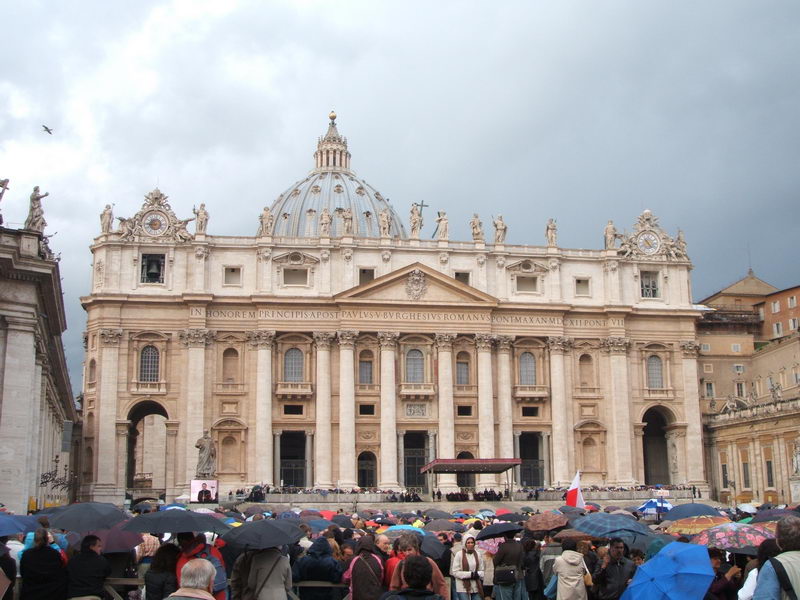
x: 332, y: 154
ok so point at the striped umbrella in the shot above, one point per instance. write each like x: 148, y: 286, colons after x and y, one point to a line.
x: 694, y: 525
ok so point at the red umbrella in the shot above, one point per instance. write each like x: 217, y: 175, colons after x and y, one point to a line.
x: 310, y: 513
x: 327, y: 514
x: 545, y: 522
x: 501, y: 511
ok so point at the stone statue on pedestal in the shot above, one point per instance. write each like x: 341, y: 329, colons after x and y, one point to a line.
x: 325, y: 221
x: 202, y: 218
x: 106, y: 219
x: 265, y: 223
x: 500, y: 230
x: 550, y: 233
x: 416, y: 221
x: 207, y: 457
x: 477, y: 228
x: 610, y: 235
x: 442, y: 226
x: 35, y: 220
x: 385, y: 222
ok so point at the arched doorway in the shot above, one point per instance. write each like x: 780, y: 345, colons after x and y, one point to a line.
x: 147, y: 447
x: 367, y: 470
x: 465, y: 480
x: 654, y: 448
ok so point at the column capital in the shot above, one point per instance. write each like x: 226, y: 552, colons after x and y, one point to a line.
x: 517, y: 434
x: 172, y: 427
x: 388, y: 339
x: 484, y: 341
x: 347, y: 338
x: 401, y: 432
x: 122, y: 428
x: 690, y: 348
x: 277, y: 433
x: 559, y: 343
x: 110, y: 337
x: 260, y: 338
x: 323, y: 339
x: 504, y: 342
x: 444, y: 341
x: 196, y: 337
x: 615, y: 345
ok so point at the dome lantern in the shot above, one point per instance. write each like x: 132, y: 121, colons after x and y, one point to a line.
x: 332, y: 153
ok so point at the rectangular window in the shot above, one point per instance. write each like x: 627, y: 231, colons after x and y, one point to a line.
x: 366, y: 410
x: 777, y: 328
x: 464, y: 410
x: 462, y: 276
x: 792, y: 302
x: 705, y: 347
x: 776, y: 306
x: 736, y: 347
x: 709, y: 389
x: 761, y: 313
x: 739, y: 389
x: 746, y: 475
x: 527, y: 284
x: 295, y: 277
x: 649, y: 283
x: 770, y: 474
x: 793, y: 324
x: 365, y: 372
x: 738, y: 369
x: 725, y: 481
x: 582, y: 286
x: 293, y: 409
x: 153, y: 268
x: 233, y: 276
x: 365, y: 276
x: 708, y: 368
x: 530, y: 411
x: 462, y: 373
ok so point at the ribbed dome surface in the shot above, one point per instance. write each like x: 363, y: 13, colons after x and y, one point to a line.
x: 334, y: 186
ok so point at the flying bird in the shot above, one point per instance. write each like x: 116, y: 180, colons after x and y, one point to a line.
x: 47, y: 129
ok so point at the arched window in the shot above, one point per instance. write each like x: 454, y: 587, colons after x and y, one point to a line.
x: 88, y: 463
x: 415, y: 366
x: 367, y: 470
x: 230, y: 365
x: 365, y: 372
x: 462, y: 368
x: 148, y: 364
x: 527, y: 369
x: 655, y: 373
x: 92, y: 371
x: 293, y: 365
x: 586, y: 371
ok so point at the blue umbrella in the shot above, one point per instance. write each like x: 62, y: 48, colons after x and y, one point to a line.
x: 318, y: 525
x: 9, y: 525
x: 677, y: 572
x: 683, y: 511
x: 608, y: 525
x: 655, y: 506
x: 404, y: 528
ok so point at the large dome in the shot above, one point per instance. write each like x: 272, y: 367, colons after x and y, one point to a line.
x: 334, y: 186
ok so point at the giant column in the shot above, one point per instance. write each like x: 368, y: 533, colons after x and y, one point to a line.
x: 347, y: 410
x: 195, y: 341
x: 486, y: 449
x: 447, y: 438
x: 388, y: 475
x: 505, y: 407
x: 562, y: 428
x: 621, y: 424
x: 322, y: 446
x: 122, y: 430
x: 695, y: 474
x: 105, y: 445
x: 261, y: 449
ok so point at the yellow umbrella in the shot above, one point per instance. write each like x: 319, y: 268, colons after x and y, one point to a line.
x: 694, y: 525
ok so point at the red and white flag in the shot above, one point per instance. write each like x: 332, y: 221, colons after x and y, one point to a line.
x: 574, y: 494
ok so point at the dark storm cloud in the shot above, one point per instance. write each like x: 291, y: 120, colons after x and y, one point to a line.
x: 579, y: 111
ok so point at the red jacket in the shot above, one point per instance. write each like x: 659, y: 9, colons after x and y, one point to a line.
x: 202, y: 550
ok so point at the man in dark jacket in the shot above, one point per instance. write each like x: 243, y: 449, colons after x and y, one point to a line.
x: 317, y: 565
x: 550, y: 551
x: 611, y: 576
x: 88, y: 569
x: 509, y: 558
x: 417, y: 575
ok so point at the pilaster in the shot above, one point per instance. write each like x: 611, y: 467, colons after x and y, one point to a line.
x: 562, y: 426
x: 348, y: 478
x: 505, y: 408
x: 621, y: 429
x: 486, y: 444
x: 695, y: 472
x: 195, y: 341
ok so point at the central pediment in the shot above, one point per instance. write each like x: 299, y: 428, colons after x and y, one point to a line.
x: 419, y: 285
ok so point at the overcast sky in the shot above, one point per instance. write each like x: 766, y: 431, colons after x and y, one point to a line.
x: 582, y: 111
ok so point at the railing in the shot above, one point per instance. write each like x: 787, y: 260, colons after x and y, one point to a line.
x: 227, y: 387
x: 149, y: 387
x: 417, y: 389
x: 587, y: 391
x: 367, y: 387
x: 466, y: 390
x: 531, y: 391
x: 658, y: 393
x: 291, y: 389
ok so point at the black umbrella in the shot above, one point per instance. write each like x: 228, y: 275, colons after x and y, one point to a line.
x: 435, y: 513
x: 343, y: 521
x: 175, y: 521
x: 512, y: 517
x: 497, y: 530
x: 443, y: 525
x: 86, y: 516
x: 432, y: 547
x: 142, y: 507
x: 266, y: 533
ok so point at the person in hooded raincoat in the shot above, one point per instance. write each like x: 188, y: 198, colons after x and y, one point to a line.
x: 570, y: 569
x: 317, y: 565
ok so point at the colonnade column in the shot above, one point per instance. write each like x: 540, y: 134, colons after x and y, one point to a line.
x: 388, y: 475
x: 562, y: 438
x: 546, y: 458
x: 695, y: 474
x: 620, y: 425
x: 505, y: 407
x: 195, y: 341
x: 263, y: 468
x: 347, y: 410
x: 486, y: 447
x: 311, y: 472
x: 447, y: 439
x: 401, y: 450
x: 518, y: 468
x: 169, y: 460
x: 276, y: 458
x: 323, y: 448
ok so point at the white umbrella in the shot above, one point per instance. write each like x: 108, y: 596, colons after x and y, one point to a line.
x: 655, y: 506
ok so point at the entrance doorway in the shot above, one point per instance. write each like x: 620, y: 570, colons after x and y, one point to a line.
x: 414, y: 459
x: 367, y: 470
x: 465, y: 480
x: 654, y: 442
x: 293, y: 459
x: 531, y: 472
x: 147, y: 447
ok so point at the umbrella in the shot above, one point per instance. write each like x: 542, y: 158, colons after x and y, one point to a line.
x: 691, y: 510
x: 435, y: 513
x: 622, y: 512
x: 432, y: 547
x: 766, y: 506
x: 86, y: 516
x: 545, y: 522
x: 512, y: 517
x: 572, y: 534
x: 443, y: 525
x: 502, y: 511
x: 526, y: 509
x: 694, y: 525
x: 731, y: 536
x: 497, y: 530
x: 642, y: 542
x: 402, y: 528
x: 309, y: 512
x: 571, y: 509
x: 655, y: 506
x: 10, y: 526
x: 775, y: 514
x: 343, y: 521
x: 266, y: 533
x: 255, y: 509
x: 319, y: 524
x: 116, y: 539
x: 677, y: 571
x: 327, y: 514
x: 612, y: 508
x: 142, y: 507
x: 467, y: 511
x: 748, y: 508
x: 175, y: 521
x: 606, y: 525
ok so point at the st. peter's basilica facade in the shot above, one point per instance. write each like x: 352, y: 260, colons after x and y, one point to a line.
x: 335, y: 348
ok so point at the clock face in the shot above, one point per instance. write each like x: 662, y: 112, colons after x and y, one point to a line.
x: 648, y: 242
x: 155, y: 223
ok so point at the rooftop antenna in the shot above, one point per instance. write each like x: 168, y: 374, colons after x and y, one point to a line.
x: 749, y: 259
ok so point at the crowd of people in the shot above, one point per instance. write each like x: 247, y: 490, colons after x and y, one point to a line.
x: 362, y: 564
